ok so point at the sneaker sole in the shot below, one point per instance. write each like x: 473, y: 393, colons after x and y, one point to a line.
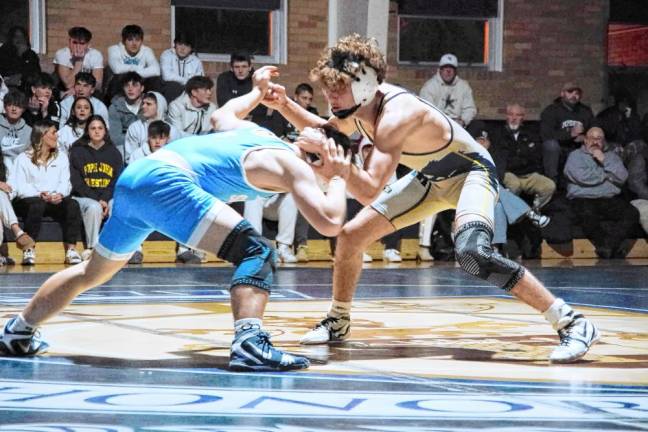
x: 242, y: 367
x: 596, y: 338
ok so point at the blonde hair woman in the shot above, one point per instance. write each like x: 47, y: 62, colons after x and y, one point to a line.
x: 41, y: 181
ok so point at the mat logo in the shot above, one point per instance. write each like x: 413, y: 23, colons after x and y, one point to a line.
x: 204, y: 401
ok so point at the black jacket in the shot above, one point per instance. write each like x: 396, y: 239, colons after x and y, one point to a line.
x: 229, y: 87
x: 521, y: 155
x: 617, y: 127
x: 557, y: 119
x: 93, y: 173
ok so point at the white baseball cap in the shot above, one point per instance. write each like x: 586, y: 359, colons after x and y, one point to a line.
x: 448, y: 60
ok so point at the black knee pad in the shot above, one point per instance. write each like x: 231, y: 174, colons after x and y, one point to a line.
x: 476, y: 256
x: 251, y: 254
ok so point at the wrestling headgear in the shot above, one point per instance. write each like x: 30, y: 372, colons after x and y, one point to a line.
x: 364, y: 81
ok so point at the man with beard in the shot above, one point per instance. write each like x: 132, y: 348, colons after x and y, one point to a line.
x: 518, y: 157
x: 562, y: 128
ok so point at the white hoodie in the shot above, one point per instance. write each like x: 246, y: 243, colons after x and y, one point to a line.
x: 137, y: 133
x: 144, y: 62
x: 174, y: 69
x: 29, y: 180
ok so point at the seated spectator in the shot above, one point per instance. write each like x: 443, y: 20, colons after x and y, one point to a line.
x: 304, y: 97
x: 451, y: 94
x: 95, y: 164
x: 595, y: 175
x: 638, y: 179
x: 131, y: 55
x: 14, y: 131
x: 41, y: 103
x: 152, y: 108
x: 158, y: 133
x: 518, y: 155
x: 620, y: 122
x: 509, y: 208
x: 78, y: 57
x: 190, y: 112
x: 84, y: 86
x: 280, y: 208
x: 41, y: 183
x: 124, y: 108
x: 237, y: 81
x: 178, y: 64
x: 17, y: 60
x: 562, y: 128
x: 75, y: 125
x: 9, y: 218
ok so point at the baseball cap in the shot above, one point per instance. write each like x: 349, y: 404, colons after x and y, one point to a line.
x: 570, y: 86
x: 448, y: 60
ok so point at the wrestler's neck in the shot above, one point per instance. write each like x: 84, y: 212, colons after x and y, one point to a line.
x: 368, y: 113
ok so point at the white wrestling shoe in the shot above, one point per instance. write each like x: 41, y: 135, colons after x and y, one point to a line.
x: 330, y: 329
x: 575, y: 340
x: 21, y: 343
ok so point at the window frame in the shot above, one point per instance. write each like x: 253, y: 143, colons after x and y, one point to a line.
x: 278, y: 41
x: 495, y: 39
x: 38, y: 26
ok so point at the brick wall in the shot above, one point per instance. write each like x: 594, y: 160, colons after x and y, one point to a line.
x: 545, y: 44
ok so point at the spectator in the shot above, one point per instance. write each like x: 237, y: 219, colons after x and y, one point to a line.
x: 562, y: 128
x: 9, y: 218
x: 3, y: 92
x: 178, y: 64
x: 124, y: 108
x: 41, y: 104
x: 84, y: 86
x: 595, y: 174
x: 509, y: 208
x: 78, y: 57
x: 152, y: 108
x: 237, y: 81
x: 41, y: 182
x: 446, y: 91
x: 158, y: 134
x: 425, y: 239
x: 131, y: 55
x: 638, y: 179
x: 304, y: 97
x: 620, y: 122
x: 14, y: 131
x: 75, y: 125
x: 17, y: 60
x: 518, y: 157
x: 190, y: 112
x: 95, y: 164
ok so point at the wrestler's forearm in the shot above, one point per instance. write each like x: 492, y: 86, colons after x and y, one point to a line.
x: 298, y: 116
x: 364, y: 188
x: 242, y: 106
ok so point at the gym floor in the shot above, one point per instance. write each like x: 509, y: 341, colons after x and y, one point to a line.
x: 431, y: 349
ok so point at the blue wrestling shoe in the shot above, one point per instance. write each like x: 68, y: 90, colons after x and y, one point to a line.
x: 253, y: 351
x: 21, y: 343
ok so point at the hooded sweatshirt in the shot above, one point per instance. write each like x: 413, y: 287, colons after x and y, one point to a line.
x: 93, y: 172
x: 189, y: 119
x: 557, y: 119
x: 454, y: 99
x: 144, y: 62
x: 180, y: 70
x: 14, y: 139
x: 137, y: 133
x: 120, y: 118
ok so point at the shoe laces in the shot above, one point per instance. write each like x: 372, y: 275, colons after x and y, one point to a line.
x: 326, y: 321
x: 565, y: 333
x: 263, y: 341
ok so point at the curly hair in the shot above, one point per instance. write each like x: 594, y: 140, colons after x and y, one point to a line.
x: 337, y: 64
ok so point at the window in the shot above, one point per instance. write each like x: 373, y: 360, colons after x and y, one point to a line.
x: 470, y: 29
x: 28, y: 14
x: 220, y: 27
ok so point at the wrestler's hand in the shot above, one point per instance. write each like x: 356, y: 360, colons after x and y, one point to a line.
x: 334, y: 162
x: 261, y: 77
x: 275, y: 97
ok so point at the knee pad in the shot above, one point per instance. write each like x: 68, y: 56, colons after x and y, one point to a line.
x: 253, y: 257
x: 477, y: 257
